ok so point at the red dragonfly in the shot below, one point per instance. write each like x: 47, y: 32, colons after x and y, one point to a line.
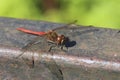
x: 53, y: 37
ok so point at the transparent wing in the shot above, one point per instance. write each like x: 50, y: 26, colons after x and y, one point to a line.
x: 29, y: 45
x: 37, y: 44
x: 72, y: 25
x: 55, y: 69
x: 66, y: 26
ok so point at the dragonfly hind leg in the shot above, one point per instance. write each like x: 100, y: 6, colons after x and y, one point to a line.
x: 61, y: 47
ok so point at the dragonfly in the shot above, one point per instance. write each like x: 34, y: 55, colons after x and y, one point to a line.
x: 52, y: 37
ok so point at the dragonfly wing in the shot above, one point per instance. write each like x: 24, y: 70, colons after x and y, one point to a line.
x: 28, y: 46
x: 72, y: 25
x: 65, y: 26
x: 40, y: 43
x: 55, y: 69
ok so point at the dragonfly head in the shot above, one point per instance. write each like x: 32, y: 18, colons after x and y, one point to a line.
x: 62, y: 40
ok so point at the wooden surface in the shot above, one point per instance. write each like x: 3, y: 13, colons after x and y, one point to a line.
x: 93, y: 53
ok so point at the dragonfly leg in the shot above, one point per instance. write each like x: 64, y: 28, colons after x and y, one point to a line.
x: 51, y: 48
x: 64, y: 49
x: 61, y: 47
x: 53, y: 44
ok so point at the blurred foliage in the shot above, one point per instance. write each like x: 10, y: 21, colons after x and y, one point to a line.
x: 102, y: 13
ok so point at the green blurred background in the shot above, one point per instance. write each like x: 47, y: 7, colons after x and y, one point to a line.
x: 101, y: 13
